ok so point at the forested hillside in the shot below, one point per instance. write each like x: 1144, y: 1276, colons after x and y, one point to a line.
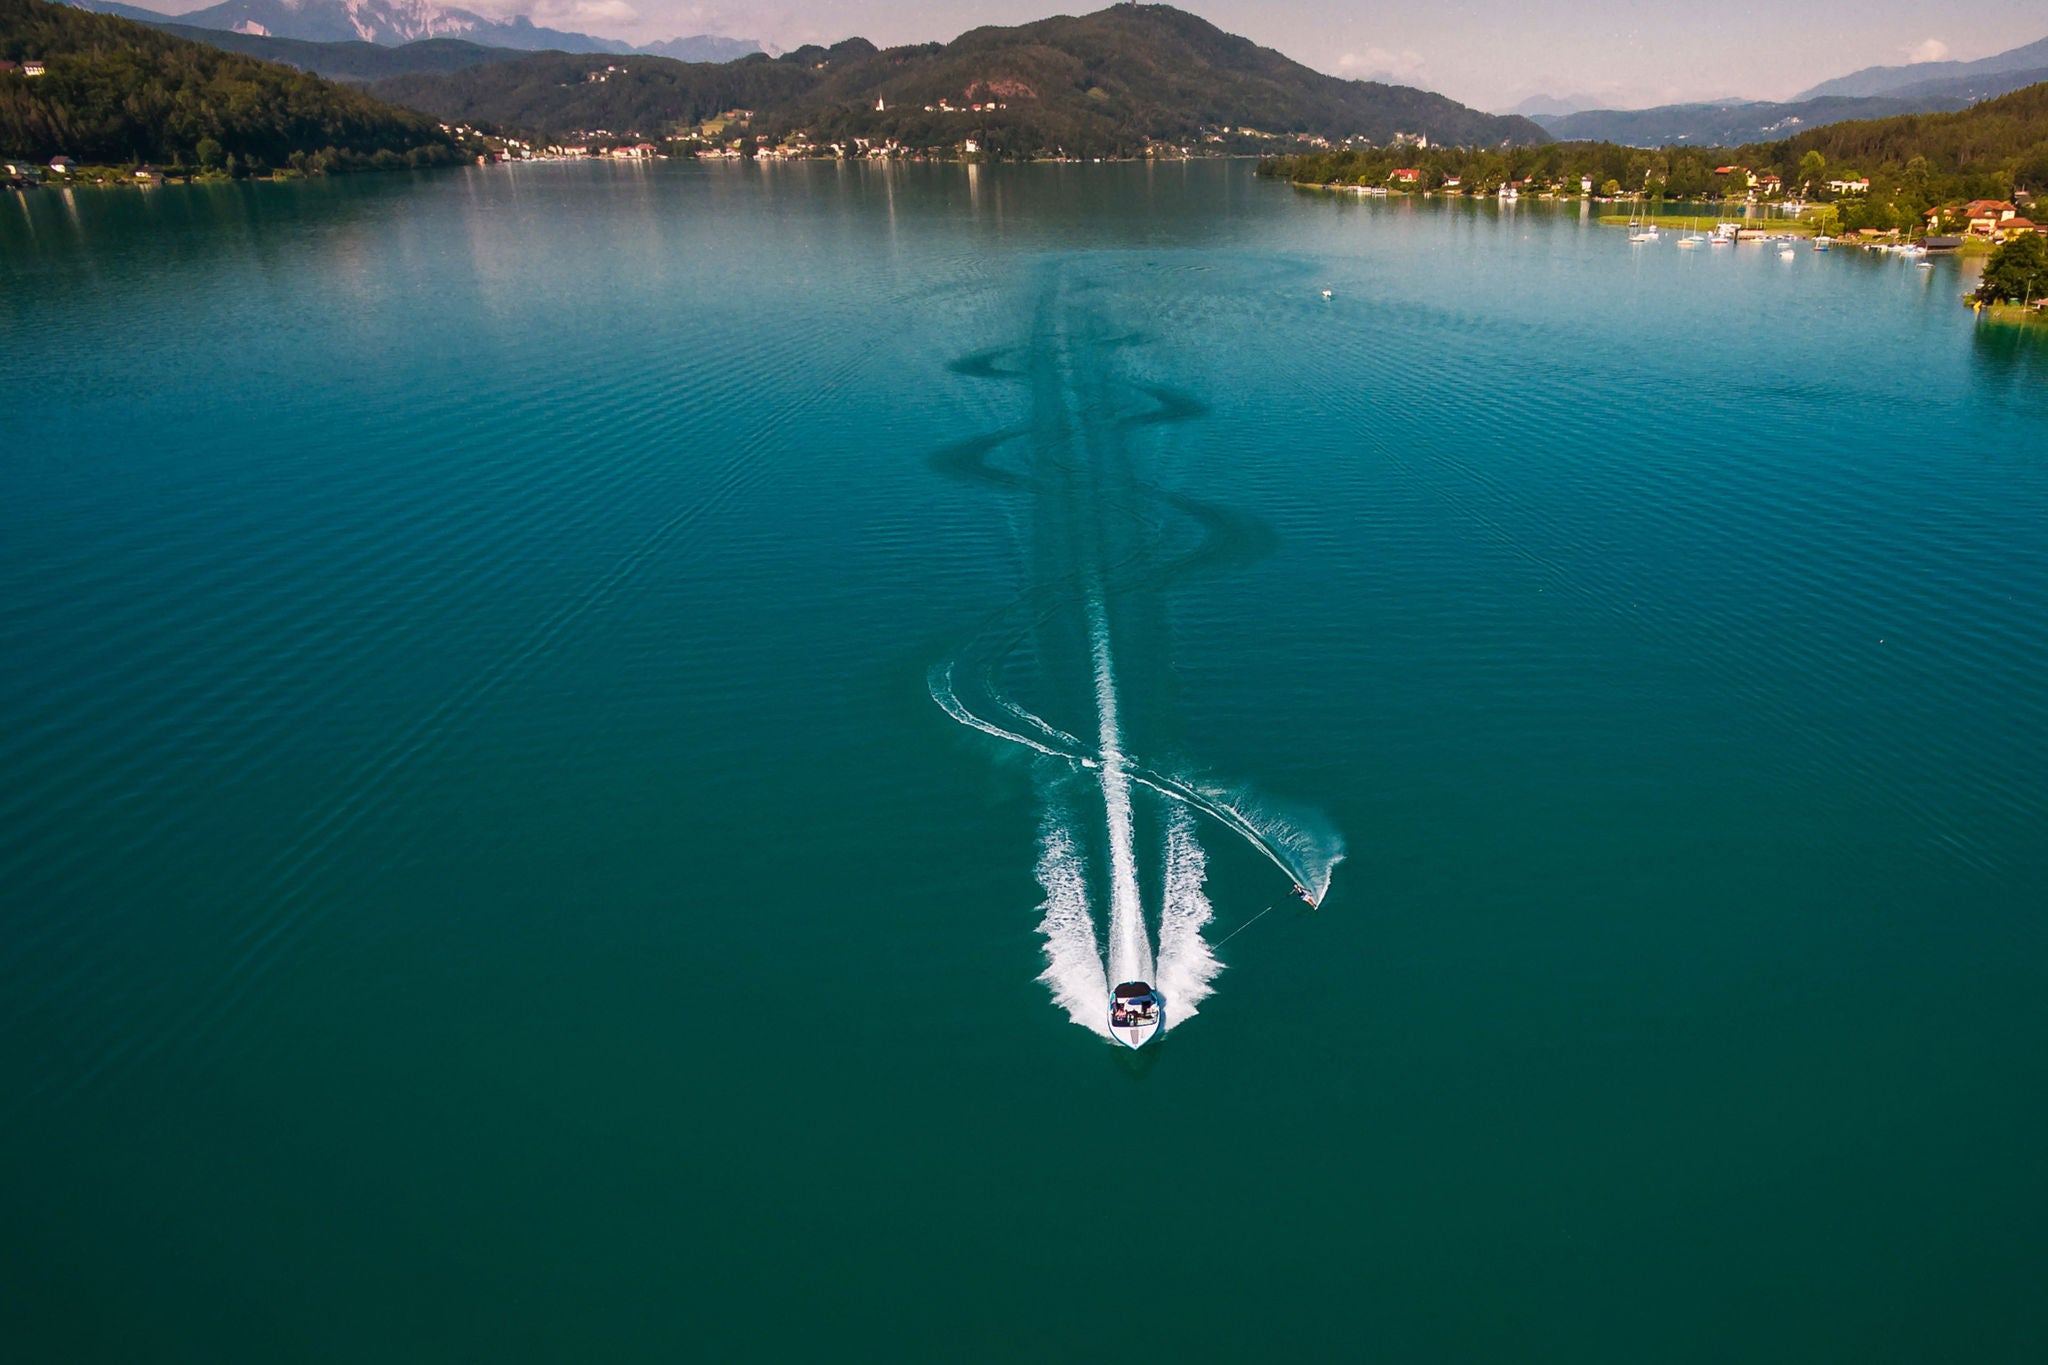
x: 1102, y: 83
x: 1913, y: 163
x: 117, y: 92
x: 1921, y: 160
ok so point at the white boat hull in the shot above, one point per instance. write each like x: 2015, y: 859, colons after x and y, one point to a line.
x: 1135, y: 1036
x: 1137, y: 1014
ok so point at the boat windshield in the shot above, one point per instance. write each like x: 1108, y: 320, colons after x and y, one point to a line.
x: 1125, y: 1013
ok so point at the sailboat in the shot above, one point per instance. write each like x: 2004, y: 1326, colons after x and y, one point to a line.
x: 1640, y: 227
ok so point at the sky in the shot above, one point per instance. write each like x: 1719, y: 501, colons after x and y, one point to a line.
x: 1490, y: 54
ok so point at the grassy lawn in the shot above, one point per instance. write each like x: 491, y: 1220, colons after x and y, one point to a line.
x: 2018, y: 314
x: 1798, y: 227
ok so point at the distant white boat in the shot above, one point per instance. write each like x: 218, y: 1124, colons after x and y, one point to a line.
x: 1509, y: 192
x: 1641, y: 228
x: 1822, y: 242
x: 1326, y: 293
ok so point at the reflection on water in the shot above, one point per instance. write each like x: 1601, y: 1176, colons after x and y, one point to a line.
x: 2011, y: 357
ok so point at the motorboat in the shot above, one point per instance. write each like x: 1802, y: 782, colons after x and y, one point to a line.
x: 1137, y: 1013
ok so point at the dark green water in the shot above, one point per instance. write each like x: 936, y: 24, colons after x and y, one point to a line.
x: 486, y: 877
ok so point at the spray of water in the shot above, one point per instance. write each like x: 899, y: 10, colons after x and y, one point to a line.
x: 1187, y: 964
x: 1073, y: 958
x: 1130, y: 950
x: 1299, y: 843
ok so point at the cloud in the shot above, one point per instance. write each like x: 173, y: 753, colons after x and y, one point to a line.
x: 1379, y: 64
x: 1927, y: 50
x: 573, y: 14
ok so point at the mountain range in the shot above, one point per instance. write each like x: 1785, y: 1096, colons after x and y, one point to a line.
x: 389, y: 23
x: 1096, y: 84
x: 1731, y: 124
x: 1905, y: 80
x: 1878, y: 92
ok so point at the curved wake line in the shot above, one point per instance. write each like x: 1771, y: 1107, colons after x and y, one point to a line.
x: 940, y: 682
x: 1311, y: 866
x: 1308, y: 859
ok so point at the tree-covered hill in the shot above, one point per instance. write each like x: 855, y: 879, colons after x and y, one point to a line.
x: 117, y: 92
x: 559, y: 92
x: 352, y: 61
x: 2007, y: 135
x: 1913, y: 163
x: 1094, y: 84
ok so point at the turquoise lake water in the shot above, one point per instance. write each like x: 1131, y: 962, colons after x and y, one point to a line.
x: 488, y: 874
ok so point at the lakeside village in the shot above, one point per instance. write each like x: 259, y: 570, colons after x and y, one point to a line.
x: 1908, y: 209
x: 1678, y: 188
x: 1682, y: 188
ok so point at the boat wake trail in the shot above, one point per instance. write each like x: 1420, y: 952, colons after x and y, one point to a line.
x: 1073, y: 958
x: 1299, y: 843
x: 1187, y: 964
x: 1103, y: 546
x: 1130, y: 951
x: 940, y: 681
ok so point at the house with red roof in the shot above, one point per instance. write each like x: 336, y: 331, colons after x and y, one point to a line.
x: 1984, y: 216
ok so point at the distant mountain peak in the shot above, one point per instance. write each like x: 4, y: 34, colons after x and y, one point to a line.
x: 1121, y: 81
x: 1885, y: 80
x: 390, y: 23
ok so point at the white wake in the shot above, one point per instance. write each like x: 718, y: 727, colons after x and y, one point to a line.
x: 1130, y: 950
x: 1073, y: 959
x: 939, y: 681
x: 1078, y: 971
x: 1299, y: 843
x: 1187, y: 964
